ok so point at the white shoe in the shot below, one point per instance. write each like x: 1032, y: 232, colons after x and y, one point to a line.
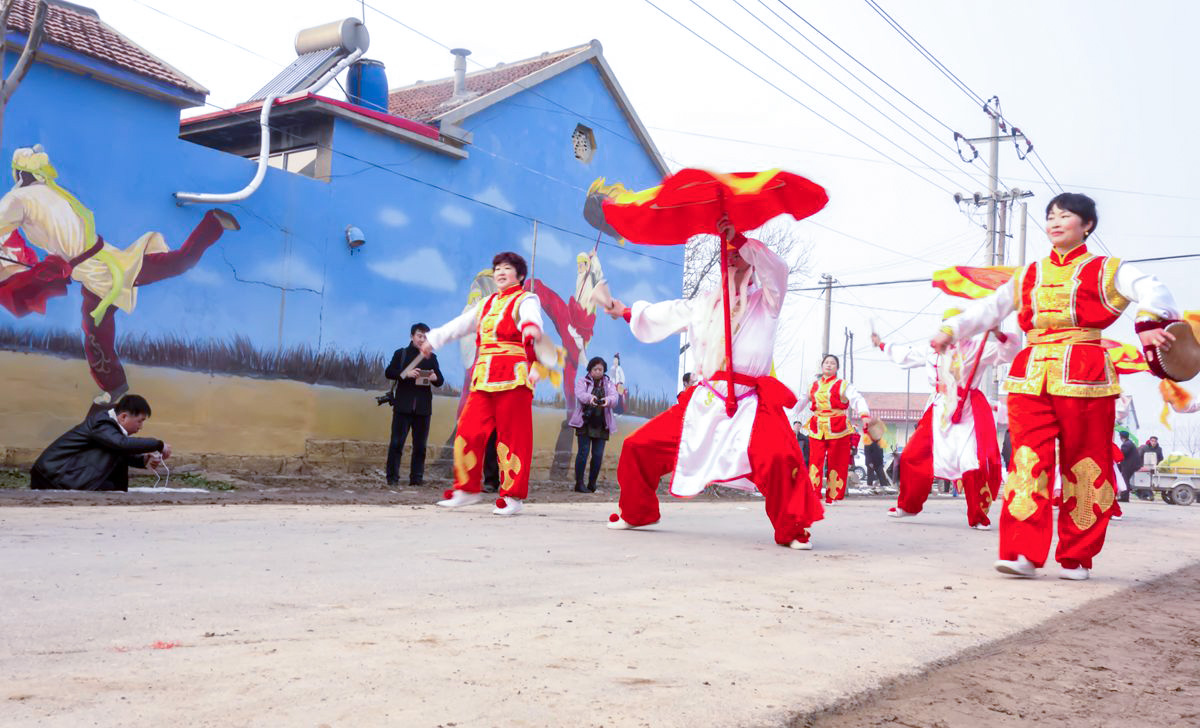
x: 512, y: 506
x: 900, y: 513
x: 800, y: 545
x: 1079, y: 573
x: 461, y: 498
x: 617, y: 523
x: 982, y: 527
x: 1019, y: 566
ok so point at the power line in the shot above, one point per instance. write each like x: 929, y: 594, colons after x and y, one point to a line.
x: 210, y: 34
x: 864, y: 66
x: 815, y: 90
x: 846, y: 86
x: 941, y: 67
x: 796, y: 100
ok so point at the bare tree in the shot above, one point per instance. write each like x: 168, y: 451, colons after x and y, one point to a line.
x: 702, y: 257
x: 8, y: 86
x: 1186, y: 436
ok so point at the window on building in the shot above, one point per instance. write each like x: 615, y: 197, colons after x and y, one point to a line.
x: 299, y: 161
x: 584, y: 142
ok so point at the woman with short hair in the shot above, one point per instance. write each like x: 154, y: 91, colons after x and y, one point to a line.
x: 592, y: 418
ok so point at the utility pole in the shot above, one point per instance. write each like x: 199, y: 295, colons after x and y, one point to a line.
x: 1024, y: 216
x: 848, y: 355
x: 828, y: 281
x: 8, y: 86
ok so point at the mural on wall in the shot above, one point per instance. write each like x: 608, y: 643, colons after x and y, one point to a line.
x: 39, y: 213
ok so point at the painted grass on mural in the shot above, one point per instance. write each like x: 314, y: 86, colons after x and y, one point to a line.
x: 240, y: 357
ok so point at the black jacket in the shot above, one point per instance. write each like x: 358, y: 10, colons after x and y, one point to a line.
x: 85, y: 457
x: 1132, y: 460
x: 410, y: 397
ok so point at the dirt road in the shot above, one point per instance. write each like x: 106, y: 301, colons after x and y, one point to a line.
x: 269, y: 615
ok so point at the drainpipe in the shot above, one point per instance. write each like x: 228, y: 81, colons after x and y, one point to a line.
x: 460, y: 71
x: 264, y: 147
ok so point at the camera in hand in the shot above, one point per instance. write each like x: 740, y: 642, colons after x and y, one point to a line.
x: 385, y: 398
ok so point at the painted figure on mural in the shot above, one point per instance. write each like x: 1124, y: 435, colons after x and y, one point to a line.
x: 38, y: 212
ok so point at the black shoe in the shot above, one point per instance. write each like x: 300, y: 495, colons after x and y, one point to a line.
x: 581, y: 489
x: 393, y: 483
x: 415, y: 483
x: 491, y: 489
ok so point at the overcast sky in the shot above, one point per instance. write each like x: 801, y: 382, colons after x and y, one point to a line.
x: 1104, y: 89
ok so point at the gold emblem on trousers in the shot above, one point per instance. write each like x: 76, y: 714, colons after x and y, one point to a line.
x: 510, y: 464
x: 1087, y: 489
x: 464, y: 460
x: 1022, y: 485
x: 835, y: 485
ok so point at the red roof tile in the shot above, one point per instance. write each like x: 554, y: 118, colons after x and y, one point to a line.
x: 80, y: 29
x: 427, y: 100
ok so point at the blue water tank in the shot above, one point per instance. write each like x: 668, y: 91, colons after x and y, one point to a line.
x: 368, y: 86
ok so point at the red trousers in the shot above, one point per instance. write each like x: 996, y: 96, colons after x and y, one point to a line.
x: 916, y: 477
x: 510, y: 414
x: 776, y: 468
x: 99, y: 340
x: 1082, y: 427
x: 830, y: 458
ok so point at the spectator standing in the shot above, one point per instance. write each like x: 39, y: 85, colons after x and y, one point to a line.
x: 1130, y: 462
x: 801, y: 437
x: 873, y: 455
x: 412, y: 405
x: 1150, y: 446
x: 592, y: 418
x: 97, y: 453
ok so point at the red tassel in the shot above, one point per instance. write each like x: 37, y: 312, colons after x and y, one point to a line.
x: 447, y: 494
x: 613, y: 518
x: 501, y: 503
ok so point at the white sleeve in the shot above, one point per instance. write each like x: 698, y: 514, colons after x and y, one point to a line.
x: 651, y: 322
x: 1154, y: 300
x: 529, y: 313
x: 770, y: 271
x: 983, y: 314
x: 905, y: 356
x: 456, y: 328
x: 1001, y: 352
x: 858, y: 403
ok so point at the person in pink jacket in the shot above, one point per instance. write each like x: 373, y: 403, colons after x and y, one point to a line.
x: 592, y: 418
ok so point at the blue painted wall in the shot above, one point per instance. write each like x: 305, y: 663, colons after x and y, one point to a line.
x: 431, y: 221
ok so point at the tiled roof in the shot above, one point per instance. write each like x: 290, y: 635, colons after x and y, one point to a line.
x: 427, y: 100
x: 80, y: 29
x: 895, y: 402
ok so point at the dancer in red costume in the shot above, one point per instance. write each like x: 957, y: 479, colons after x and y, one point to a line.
x: 945, y: 447
x: 696, y: 440
x: 829, y: 429
x: 1062, y: 387
x: 506, y: 325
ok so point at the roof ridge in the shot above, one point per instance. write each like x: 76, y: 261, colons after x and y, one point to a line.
x: 500, y: 66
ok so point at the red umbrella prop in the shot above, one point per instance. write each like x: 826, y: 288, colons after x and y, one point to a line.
x: 695, y: 202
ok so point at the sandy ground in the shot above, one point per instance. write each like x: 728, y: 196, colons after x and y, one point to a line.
x: 269, y: 615
x: 1131, y: 659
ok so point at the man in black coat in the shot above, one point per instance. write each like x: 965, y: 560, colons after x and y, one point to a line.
x: 97, y: 453
x: 1131, y: 460
x: 412, y: 405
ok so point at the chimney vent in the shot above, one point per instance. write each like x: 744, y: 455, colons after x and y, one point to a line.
x: 460, y: 71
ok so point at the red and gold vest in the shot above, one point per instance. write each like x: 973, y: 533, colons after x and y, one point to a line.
x: 1063, y: 305
x: 830, y: 409
x: 502, y: 360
